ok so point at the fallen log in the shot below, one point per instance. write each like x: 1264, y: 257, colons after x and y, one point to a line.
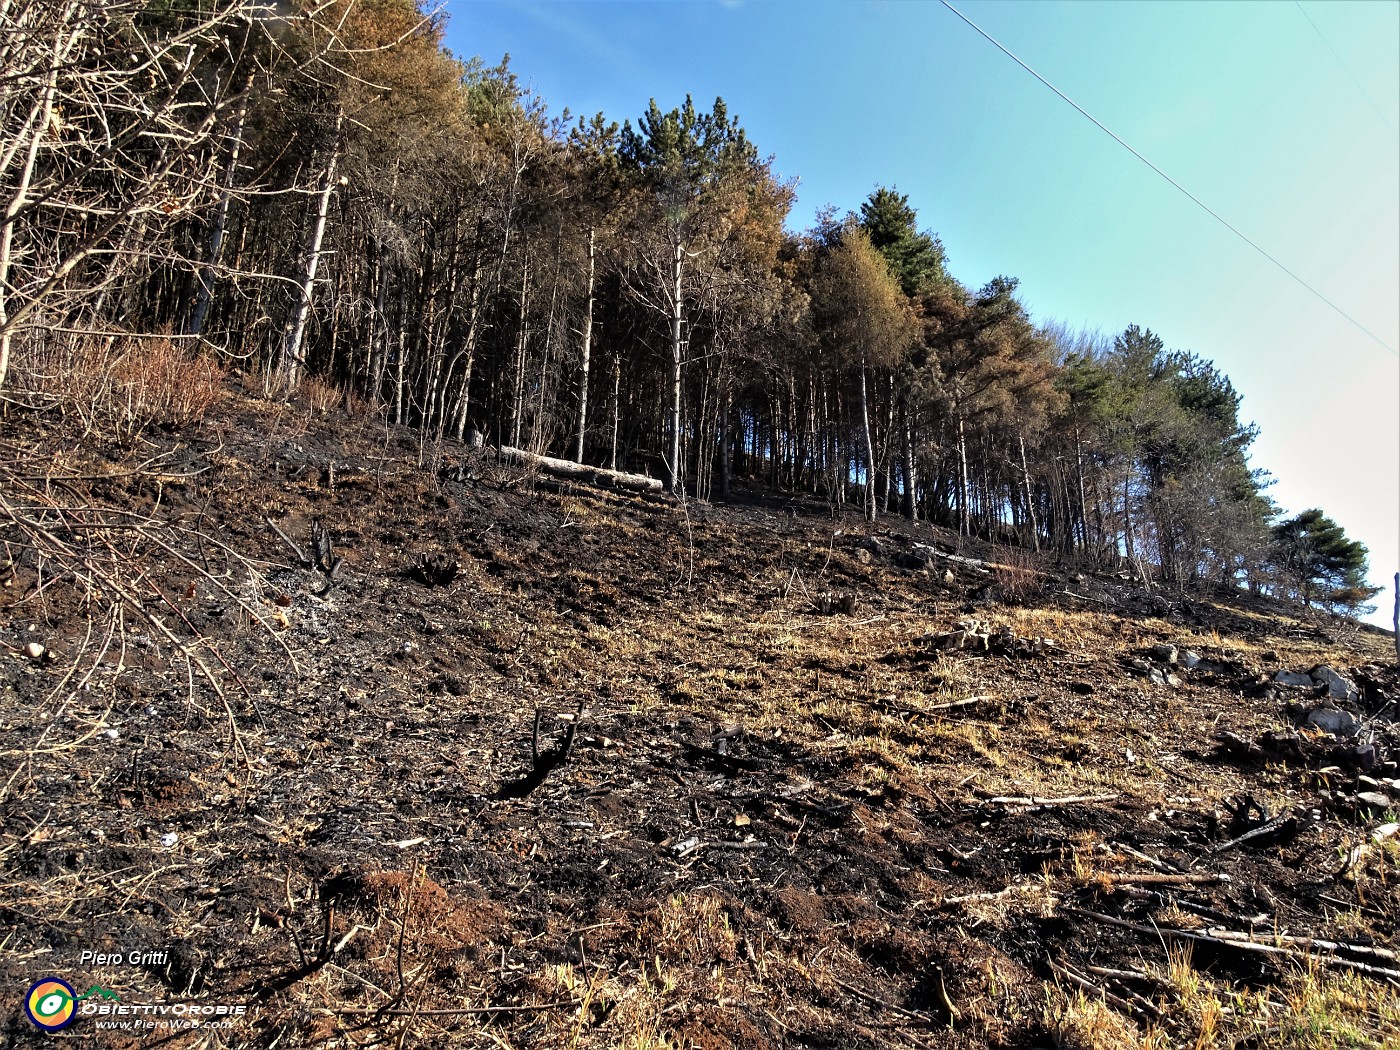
x: 1155, y: 878
x: 1389, y: 976
x: 1142, y: 1007
x: 1040, y: 802
x: 598, y: 476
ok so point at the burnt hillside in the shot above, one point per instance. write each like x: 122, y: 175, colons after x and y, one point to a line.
x: 395, y: 743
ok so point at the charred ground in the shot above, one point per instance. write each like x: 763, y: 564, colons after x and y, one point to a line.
x: 539, y: 764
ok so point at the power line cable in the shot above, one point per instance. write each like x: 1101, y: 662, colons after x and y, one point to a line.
x: 1347, y: 69
x: 1191, y: 196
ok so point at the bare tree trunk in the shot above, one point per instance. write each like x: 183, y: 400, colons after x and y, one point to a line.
x: 459, y: 423
x: 1127, y: 513
x: 674, y: 483
x: 869, y: 446
x: 520, y: 340
x: 537, y: 423
x: 216, y: 239
x: 37, y: 126
x: 399, y: 364
x: 379, y: 333
x: 1030, y: 503
x: 1083, y: 500
x: 911, y: 476
x: 1397, y: 618
x: 964, y: 515
x: 581, y: 427
x: 724, y: 461
x: 616, y: 408
x: 292, y: 356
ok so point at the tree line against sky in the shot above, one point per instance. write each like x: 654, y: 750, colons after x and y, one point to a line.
x: 325, y: 195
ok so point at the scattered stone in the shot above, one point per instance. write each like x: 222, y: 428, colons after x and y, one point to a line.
x: 913, y: 562
x: 1217, y: 667
x: 863, y: 556
x: 1190, y: 659
x: 1340, y: 724
x: 1338, y: 688
x: 1293, y: 680
x: 1165, y: 653
x: 1362, y: 757
x: 1139, y: 666
x: 110, y: 734
x: 1374, y: 799
x: 169, y: 839
x: 34, y: 650
x: 946, y: 640
x: 1173, y: 681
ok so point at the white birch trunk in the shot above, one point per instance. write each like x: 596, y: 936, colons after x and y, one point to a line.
x: 293, y: 358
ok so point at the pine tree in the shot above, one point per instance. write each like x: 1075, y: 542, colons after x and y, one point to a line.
x: 1315, y: 555
x: 915, y: 258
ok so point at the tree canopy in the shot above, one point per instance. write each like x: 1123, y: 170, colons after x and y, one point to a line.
x: 327, y: 196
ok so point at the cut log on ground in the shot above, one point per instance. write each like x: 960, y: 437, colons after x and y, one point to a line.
x: 599, y: 476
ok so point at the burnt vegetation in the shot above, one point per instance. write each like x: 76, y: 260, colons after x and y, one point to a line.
x: 470, y: 578
x: 583, y: 766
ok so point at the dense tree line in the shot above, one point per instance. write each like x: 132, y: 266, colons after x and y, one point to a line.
x: 322, y: 193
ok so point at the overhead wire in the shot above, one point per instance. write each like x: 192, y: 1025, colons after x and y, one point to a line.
x: 1347, y: 70
x: 1189, y: 195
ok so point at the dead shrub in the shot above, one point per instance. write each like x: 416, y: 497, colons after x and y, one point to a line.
x: 117, y: 384
x: 320, y: 397
x: 1018, y: 580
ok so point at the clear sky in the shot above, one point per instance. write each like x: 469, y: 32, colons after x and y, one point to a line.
x: 1282, y: 117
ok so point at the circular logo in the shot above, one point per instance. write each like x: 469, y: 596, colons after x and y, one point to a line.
x: 51, y: 1004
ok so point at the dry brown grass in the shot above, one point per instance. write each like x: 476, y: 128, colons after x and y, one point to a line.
x: 1018, y: 578
x: 321, y: 398
x: 119, y: 385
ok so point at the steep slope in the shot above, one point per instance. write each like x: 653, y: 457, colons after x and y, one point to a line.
x: 538, y: 764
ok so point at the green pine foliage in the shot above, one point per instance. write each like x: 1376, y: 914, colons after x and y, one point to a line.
x: 1318, y: 561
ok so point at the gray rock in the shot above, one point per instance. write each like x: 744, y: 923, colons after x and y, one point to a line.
x: 1190, y: 659
x: 1374, y: 799
x: 1173, y: 681
x: 1338, y: 688
x: 34, y: 650
x: 1293, y: 679
x: 1338, y: 723
x: 947, y: 640
x: 1165, y: 653
x: 1139, y: 666
x: 1156, y: 677
x: 863, y: 556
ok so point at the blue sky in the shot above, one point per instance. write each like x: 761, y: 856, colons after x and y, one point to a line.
x: 1244, y: 104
